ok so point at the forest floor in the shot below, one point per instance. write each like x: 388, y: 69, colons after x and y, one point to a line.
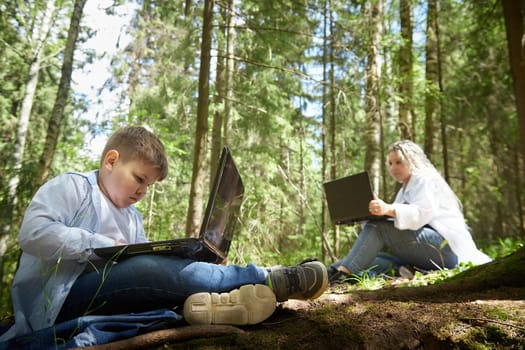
x: 389, y: 318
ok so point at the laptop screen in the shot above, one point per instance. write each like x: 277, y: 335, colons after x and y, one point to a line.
x: 216, y: 229
x: 348, y: 198
x: 224, y: 204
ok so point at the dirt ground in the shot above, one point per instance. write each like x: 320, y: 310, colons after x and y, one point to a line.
x: 372, y: 320
x: 346, y: 319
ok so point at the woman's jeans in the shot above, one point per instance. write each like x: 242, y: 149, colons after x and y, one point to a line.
x: 150, y: 282
x: 381, y: 248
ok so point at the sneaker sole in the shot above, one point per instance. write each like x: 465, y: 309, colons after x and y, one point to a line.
x: 250, y: 304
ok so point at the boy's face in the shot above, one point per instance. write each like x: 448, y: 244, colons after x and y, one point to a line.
x: 125, y: 183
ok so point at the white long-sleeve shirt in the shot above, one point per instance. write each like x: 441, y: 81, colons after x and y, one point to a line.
x: 421, y: 202
x: 66, y: 220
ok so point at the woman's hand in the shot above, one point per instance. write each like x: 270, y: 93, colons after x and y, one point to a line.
x: 378, y: 207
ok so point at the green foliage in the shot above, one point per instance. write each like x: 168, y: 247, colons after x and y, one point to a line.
x: 424, y: 279
x: 504, y: 247
x: 367, y: 282
x: 281, y: 83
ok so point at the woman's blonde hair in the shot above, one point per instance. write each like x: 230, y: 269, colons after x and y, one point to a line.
x: 419, y: 164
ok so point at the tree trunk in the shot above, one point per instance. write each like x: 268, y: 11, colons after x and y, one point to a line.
x: 514, y: 13
x: 195, y: 207
x: 431, y: 77
x: 519, y: 191
x: 302, y: 175
x: 333, y: 120
x: 406, y: 126
x: 218, y: 100
x: 230, y: 67
x: 57, y: 115
x: 372, y: 93
x: 23, y: 122
x: 328, y: 127
x: 324, y: 131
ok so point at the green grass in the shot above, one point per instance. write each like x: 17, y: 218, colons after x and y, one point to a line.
x: 502, y: 248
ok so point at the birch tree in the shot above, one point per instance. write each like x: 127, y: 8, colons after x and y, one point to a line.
x: 372, y: 92
x: 406, y: 125
x: 432, y: 79
x: 220, y: 90
x: 41, y: 33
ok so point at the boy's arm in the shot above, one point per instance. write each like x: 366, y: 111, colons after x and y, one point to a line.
x: 59, y: 225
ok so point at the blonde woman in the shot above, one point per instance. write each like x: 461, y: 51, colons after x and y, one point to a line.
x: 425, y: 228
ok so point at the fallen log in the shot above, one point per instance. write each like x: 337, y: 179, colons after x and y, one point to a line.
x: 164, y: 336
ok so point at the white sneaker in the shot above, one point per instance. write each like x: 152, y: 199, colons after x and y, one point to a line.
x: 250, y: 304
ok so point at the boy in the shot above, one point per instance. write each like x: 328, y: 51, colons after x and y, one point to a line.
x: 60, y: 278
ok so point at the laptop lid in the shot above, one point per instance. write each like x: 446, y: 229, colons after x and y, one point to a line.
x: 217, y: 226
x: 348, y: 198
x: 222, y: 210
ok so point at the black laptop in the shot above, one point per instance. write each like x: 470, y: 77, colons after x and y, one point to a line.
x: 217, y: 228
x: 348, y: 199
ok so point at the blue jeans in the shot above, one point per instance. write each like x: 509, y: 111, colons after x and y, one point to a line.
x: 149, y: 282
x: 381, y: 248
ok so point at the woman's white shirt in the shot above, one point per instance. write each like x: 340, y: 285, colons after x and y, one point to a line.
x: 422, y: 202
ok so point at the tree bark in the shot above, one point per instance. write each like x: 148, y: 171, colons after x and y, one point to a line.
x: 372, y: 93
x: 160, y: 337
x: 220, y: 93
x: 514, y: 13
x: 230, y: 67
x: 23, y: 121
x: 324, y: 131
x: 333, y: 118
x: 195, y: 207
x: 405, y: 123
x: 57, y: 115
x: 431, y: 77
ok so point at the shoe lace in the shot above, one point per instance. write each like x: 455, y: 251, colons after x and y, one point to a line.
x: 292, y: 277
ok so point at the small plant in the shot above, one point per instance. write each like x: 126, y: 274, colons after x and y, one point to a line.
x: 504, y: 247
x: 425, y: 278
x: 366, y: 280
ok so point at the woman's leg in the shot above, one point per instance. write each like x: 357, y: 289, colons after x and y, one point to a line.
x: 424, y: 249
x: 365, y: 249
x: 384, y: 264
x: 150, y: 282
x: 421, y: 248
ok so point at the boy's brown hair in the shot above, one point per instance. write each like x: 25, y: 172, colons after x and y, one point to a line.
x: 134, y: 142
